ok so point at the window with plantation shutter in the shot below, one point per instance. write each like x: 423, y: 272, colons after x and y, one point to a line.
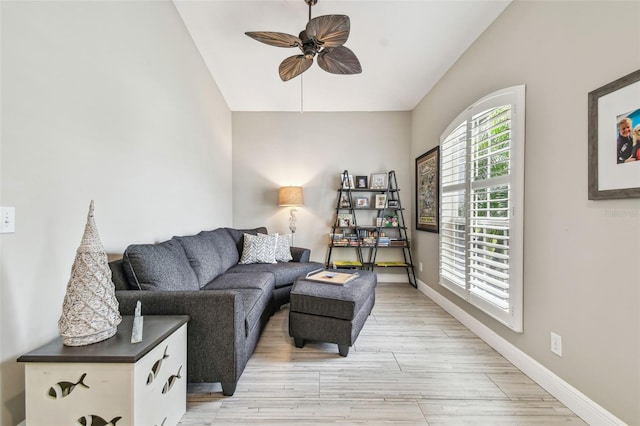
x: 481, y: 206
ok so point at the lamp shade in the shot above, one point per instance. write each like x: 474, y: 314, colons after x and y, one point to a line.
x: 290, y: 196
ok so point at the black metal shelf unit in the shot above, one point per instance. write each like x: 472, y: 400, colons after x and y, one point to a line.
x: 389, y: 231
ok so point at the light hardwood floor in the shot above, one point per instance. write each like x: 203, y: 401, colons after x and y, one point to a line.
x: 412, y: 364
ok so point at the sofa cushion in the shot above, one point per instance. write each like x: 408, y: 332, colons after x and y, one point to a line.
x: 284, y: 273
x: 118, y: 277
x: 226, y: 247
x: 255, y: 280
x: 259, y: 249
x: 162, y: 266
x: 283, y: 250
x: 203, y: 257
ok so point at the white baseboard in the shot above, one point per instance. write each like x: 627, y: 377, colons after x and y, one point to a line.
x: 572, y: 398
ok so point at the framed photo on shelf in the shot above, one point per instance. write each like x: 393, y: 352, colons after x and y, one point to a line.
x: 347, y: 181
x: 393, y: 204
x: 362, y: 182
x: 344, y: 200
x: 613, y: 154
x: 344, y: 220
x: 378, y: 181
x: 362, y: 202
x: 428, y: 191
x: 381, y: 201
x: 390, y: 221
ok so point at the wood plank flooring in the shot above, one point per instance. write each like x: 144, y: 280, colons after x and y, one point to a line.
x: 412, y: 364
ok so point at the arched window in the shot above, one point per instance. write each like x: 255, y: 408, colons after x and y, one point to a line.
x: 481, y: 206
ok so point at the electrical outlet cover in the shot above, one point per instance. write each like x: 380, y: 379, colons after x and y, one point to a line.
x: 556, y: 344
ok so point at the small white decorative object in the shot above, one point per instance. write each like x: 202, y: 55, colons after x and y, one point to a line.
x: 90, y: 308
x: 136, y: 330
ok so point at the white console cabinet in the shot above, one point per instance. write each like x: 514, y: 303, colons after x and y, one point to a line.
x: 113, y: 381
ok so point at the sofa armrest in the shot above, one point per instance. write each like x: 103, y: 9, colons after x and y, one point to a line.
x: 215, y: 332
x: 300, y: 254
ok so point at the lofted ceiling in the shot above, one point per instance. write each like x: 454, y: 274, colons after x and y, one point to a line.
x: 404, y: 48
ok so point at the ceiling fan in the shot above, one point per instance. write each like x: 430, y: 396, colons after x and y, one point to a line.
x: 324, y: 36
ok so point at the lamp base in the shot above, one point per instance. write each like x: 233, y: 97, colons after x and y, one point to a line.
x: 292, y: 223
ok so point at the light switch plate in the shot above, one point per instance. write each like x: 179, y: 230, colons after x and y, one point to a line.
x: 7, y: 220
x: 556, y: 344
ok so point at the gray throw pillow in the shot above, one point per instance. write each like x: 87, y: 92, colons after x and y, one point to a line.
x: 159, y: 267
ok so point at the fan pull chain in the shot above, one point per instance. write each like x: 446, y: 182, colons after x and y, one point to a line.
x: 301, y: 96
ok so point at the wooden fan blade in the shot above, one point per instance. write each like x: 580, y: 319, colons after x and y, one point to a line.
x: 275, y: 39
x: 293, y: 66
x: 339, y: 60
x: 329, y: 30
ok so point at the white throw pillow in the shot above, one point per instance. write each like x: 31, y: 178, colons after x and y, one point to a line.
x: 259, y: 248
x: 283, y: 250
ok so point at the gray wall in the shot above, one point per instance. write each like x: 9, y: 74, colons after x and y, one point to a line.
x: 312, y: 150
x: 582, y: 278
x: 107, y: 101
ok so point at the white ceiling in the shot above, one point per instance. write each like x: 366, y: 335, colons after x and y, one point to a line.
x: 404, y: 48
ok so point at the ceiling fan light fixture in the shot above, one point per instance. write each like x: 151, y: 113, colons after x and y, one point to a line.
x: 323, y: 35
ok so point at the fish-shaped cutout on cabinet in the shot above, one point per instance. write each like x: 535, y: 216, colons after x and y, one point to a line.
x: 171, y: 381
x: 62, y: 389
x: 156, y: 367
x: 93, y: 420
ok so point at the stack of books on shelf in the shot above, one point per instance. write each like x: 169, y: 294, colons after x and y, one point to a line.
x: 369, y: 242
x: 383, y: 241
x: 398, y: 243
x: 344, y: 240
x: 363, y: 233
x: 338, y: 240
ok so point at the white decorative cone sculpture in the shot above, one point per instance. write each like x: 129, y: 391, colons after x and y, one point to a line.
x: 90, y: 309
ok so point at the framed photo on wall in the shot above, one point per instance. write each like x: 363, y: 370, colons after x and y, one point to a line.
x: 614, y: 139
x: 428, y: 191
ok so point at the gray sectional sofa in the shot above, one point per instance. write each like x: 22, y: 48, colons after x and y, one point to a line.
x: 228, y: 302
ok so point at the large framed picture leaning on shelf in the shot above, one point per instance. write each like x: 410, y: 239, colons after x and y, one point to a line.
x: 428, y: 191
x: 378, y: 181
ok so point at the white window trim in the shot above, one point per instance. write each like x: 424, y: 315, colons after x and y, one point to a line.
x: 515, y: 96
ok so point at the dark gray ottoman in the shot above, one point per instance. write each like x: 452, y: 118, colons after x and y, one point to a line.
x: 331, y: 313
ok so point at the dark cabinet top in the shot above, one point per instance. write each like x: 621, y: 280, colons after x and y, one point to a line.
x: 116, y: 349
